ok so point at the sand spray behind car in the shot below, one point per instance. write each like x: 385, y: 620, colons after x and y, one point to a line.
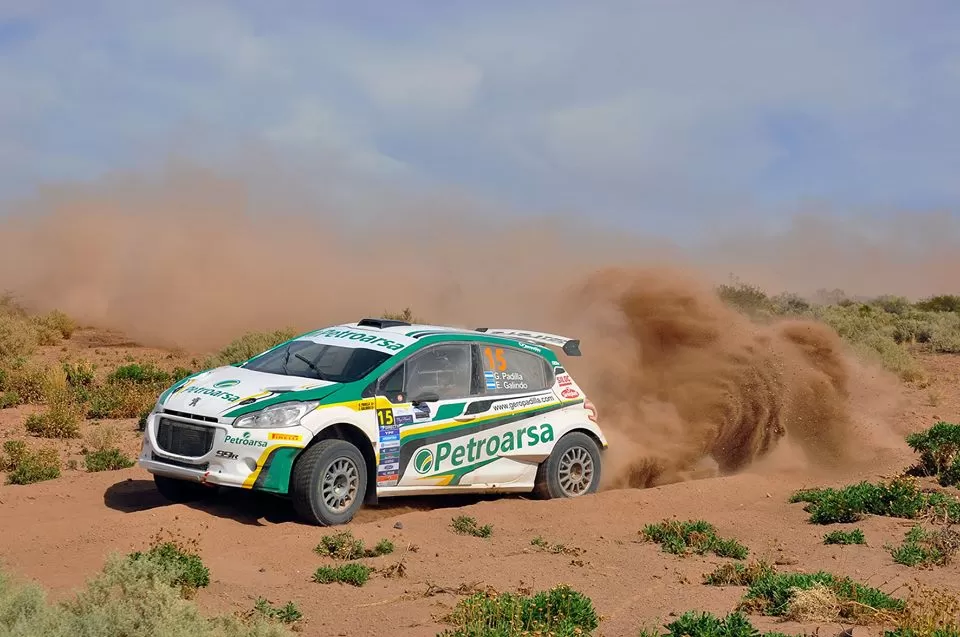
x: 676, y: 375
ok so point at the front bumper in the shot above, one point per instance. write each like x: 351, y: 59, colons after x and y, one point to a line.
x: 211, y: 452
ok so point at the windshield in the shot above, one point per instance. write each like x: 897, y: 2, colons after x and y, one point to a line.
x: 323, y: 362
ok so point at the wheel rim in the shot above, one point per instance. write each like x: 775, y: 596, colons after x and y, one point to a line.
x: 341, y: 482
x: 575, y: 473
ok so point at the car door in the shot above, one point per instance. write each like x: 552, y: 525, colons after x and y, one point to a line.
x: 427, y: 395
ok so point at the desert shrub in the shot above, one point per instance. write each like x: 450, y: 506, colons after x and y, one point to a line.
x: 139, y: 374
x: 354, y: 574
x: 826, y: 596
x: 107, y: 460
x: 26, y: 467
x: 556, y: 549
x: 927, y: 547
x: 941, y: 303
x: 27, y: 381
x: 466, y: 525
x: 60, y: 420
x: 737, y: 574
x: 845, y: 537
x: 128, y: 598
x: 57, y: 323
x: 939, y: 449
x: 9, y: 399
x: 343, y: 546
x: 80, y: 374
x: 700, y: 624
x: 121, y: 400
x: 928, y: 613
x: 560, y: 611
x: 897, y: 498
x: 287, y: 614
x: 744, y: 297
x: 248, y: 346
x: 186, y: 569
x: 692, y: 536
x: 17, y: 337
x: 404, y: 315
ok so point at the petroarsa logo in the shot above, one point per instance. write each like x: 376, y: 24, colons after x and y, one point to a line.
x: 454, y: 455
x: 223, y: 384
x: 423, y: 461
x: 245, y: 440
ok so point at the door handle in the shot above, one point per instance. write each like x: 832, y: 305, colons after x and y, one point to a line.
x: 466, y: 418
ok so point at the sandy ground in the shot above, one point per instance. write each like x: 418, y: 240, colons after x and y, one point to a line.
x: 59, y: 533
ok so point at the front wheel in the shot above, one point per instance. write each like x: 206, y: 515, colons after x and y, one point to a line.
x: 329, y: 483
x: 572, y: 469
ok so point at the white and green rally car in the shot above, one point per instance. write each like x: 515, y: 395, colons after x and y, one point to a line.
x: 423, y: 409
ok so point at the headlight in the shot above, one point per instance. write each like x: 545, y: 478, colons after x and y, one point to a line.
x: 275, y: 416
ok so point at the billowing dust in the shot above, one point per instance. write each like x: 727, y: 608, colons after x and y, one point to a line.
x: 678, y: 378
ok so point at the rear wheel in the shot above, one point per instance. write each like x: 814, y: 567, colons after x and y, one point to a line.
x: 177, y: 490
x: 571, y: 470
x: 329, y: 482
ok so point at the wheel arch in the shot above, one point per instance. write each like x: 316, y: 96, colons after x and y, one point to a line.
x: 589, y: 432
x: 355, y: 436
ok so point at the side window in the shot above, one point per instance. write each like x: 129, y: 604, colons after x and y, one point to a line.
x: 444, y: 369
x: 392, y: 385
x: 511, y: 371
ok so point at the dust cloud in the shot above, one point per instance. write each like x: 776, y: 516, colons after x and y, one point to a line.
x: 678, y: 378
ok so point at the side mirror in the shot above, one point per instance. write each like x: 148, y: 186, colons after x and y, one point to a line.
x: 426, y: 397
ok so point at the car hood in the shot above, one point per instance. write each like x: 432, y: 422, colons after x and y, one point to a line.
x: 217, y: 391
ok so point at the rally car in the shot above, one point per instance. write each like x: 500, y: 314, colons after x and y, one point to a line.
x: 345, y: 415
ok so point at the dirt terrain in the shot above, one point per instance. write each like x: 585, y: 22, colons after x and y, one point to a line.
x: 59, y: 531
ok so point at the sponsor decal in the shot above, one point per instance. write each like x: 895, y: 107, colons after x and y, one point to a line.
x: 193, y: 403
x: 244, y: 441
x: 229, y: 455
x: 570, y: 393
x: 505, y: 380
x: 446, y: 456
x: 223, y: 384
x: 564, y: 380
x: 290, y: 437
x: 368, y: 404
x: 421, y: 412
x: 406, y: 419
x: 360, y: 337
x: 216, y: 393
x: 523, y: 402
x: 532, y: 348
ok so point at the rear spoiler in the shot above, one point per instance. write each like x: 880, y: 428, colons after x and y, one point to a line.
x: 570, y: 346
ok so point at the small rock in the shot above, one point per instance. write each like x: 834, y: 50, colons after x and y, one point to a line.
x: 398, y: 525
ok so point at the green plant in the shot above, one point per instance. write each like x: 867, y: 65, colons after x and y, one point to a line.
x: 107, y: 460
x: 559, y: 612
x: 355, y: 574
x: 60, y: 420
x: 692, y: 536
x: 543, y: 545
x: 189, y: 572
x: 466, y: 525
x: 899, y: 498
x: 343, y: 546
x: 700, y: 624
x: 783, y: 594
x: 126, y: 598
x: 139, y: 374
x: 845, y: 537
x: 737, y: 574
x: 926, y: 548
x: 25, y: 467
x: 287, y: 614
x: 939, y: 449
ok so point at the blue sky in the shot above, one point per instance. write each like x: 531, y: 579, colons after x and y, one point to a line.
x: 656, y: 115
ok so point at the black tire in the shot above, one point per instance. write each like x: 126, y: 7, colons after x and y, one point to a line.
x: 177, y: 490
x: 308, y: 476
x: 576, y: 446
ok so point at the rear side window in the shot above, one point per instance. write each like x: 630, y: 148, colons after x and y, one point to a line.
x: 512, y: 371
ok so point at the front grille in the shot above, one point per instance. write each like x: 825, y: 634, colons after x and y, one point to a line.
x: 183, y: 438
x: 184, y: 414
